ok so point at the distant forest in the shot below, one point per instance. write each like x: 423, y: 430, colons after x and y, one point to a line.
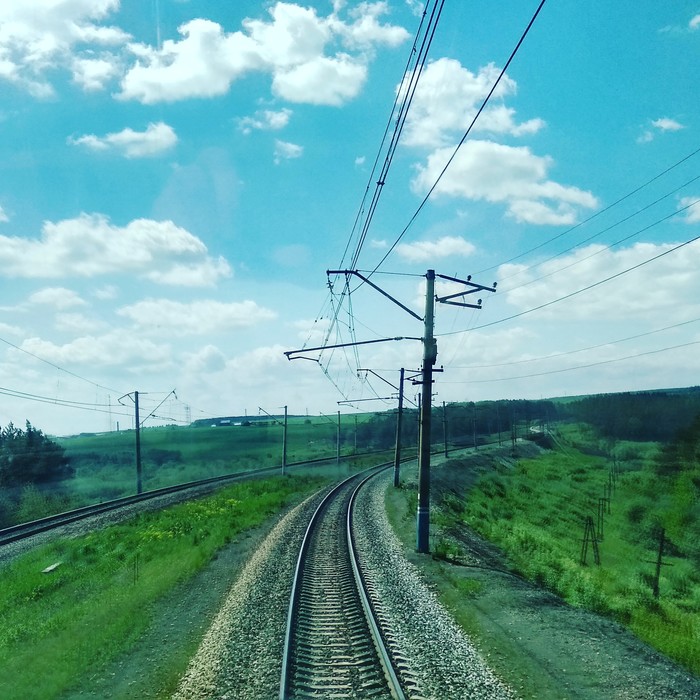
x: 658, y: 416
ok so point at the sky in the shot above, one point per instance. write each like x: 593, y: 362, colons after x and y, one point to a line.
x: 178, y: 176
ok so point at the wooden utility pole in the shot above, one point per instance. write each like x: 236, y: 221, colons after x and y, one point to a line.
x: 399, y: 421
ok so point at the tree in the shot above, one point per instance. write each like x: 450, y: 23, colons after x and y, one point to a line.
x: 29, y: 457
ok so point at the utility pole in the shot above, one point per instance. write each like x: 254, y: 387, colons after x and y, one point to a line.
x: 139, y: 485
x: 399, y: 421
x: 444, y: 427
x: 337, y: 443
x: 429, y: 358
x: 284, y: 444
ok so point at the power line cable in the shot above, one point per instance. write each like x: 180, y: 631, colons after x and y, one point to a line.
x: 464, y: 137
x: 572, y: 369
x: 578, y: 291
x: 609, y: 228
x: 593, y: 216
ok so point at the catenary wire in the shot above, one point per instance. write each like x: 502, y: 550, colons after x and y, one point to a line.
x: 576, y: 292
x: 464, y: 137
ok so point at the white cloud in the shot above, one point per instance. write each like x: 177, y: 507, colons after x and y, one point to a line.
x: 447, y: 98
x: 195, y: 318
x: 90, y: 245
x: 115, y: 348
x: 692, y: 214
x: 93, y: 74
x: 156, y: 139
x: 206, y: 360
x: 296, y: 46
x: 265, y: 120
x: 287, y: 151
x: 37, y: 36
x: 484, y: 170
x: 675, y: 283
x: 694, y: 23
x: 57, y: 297
x: 663, y: 125
x: 324, y: 81
x: 4, y: 218
x: 76, y: 323
x: 666, y: 124
x: 425, y: 251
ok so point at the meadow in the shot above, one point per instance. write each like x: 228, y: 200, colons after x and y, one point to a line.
x: 536, y: 513
x: 60, y: 626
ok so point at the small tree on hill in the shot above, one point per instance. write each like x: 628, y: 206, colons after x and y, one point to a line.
x: 29, y: 457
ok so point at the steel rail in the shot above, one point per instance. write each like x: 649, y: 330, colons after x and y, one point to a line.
x: 384, y: 656
x: 393, y: 684
x: 22, y: 531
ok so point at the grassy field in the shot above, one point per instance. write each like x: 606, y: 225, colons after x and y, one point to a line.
x: 536, y: 511
x: 59, y: 626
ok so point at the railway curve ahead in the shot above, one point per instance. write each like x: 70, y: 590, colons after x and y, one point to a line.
x: 333, y: 646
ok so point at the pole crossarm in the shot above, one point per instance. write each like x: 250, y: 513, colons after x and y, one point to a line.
x: 379, y: 376
x: 374, y: 286
x: 289, y: 353
x: 350, y: 402
x: 473, y: 287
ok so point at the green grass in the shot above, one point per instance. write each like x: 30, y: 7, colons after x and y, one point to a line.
x: 56, y: 627
x: 536, y: 512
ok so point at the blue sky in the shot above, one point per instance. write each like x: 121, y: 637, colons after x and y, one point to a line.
x: 177, y: 176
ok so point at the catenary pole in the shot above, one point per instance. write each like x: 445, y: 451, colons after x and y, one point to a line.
x: 284, y: 444
x: 429, y: 358
x: 399, y: 419
x: 137, y: 419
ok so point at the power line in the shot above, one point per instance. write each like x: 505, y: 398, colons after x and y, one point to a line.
x: 572, y: 369
x: 575, y: 293
x: 464, y: 137
x: 573, y: 352
x: 596, y: 215
x: 606, y: 230
x: 55, y: 366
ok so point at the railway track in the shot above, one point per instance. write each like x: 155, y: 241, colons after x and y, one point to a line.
x: 23, y: 531
x: 333, y: 646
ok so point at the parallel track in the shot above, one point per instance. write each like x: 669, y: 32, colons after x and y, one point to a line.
x: 333, y: 647
x: 25, y: 530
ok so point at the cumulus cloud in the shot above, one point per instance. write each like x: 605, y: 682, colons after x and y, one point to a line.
x: 93, y: 74
x: 195, y: 318
x: 675, y: 283
x: 265, y: 120
x: 307, y: 55
x: 90, y: 246
x: 447, y: 98
x: 57, y: 297
x: 662, y: 125
x: 37, y: 36
x: 287, y: 151
x: 692, y: 213
x: 666, y: 124
x: 514, y: 176
x: 113, y: 349
x: 425, y: 251
x: 206, y: 360
x: 694, y: 23
x: 4, y: 218
x: 156, y: 139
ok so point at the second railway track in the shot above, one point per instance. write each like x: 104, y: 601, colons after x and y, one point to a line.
x: 333, y: 648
